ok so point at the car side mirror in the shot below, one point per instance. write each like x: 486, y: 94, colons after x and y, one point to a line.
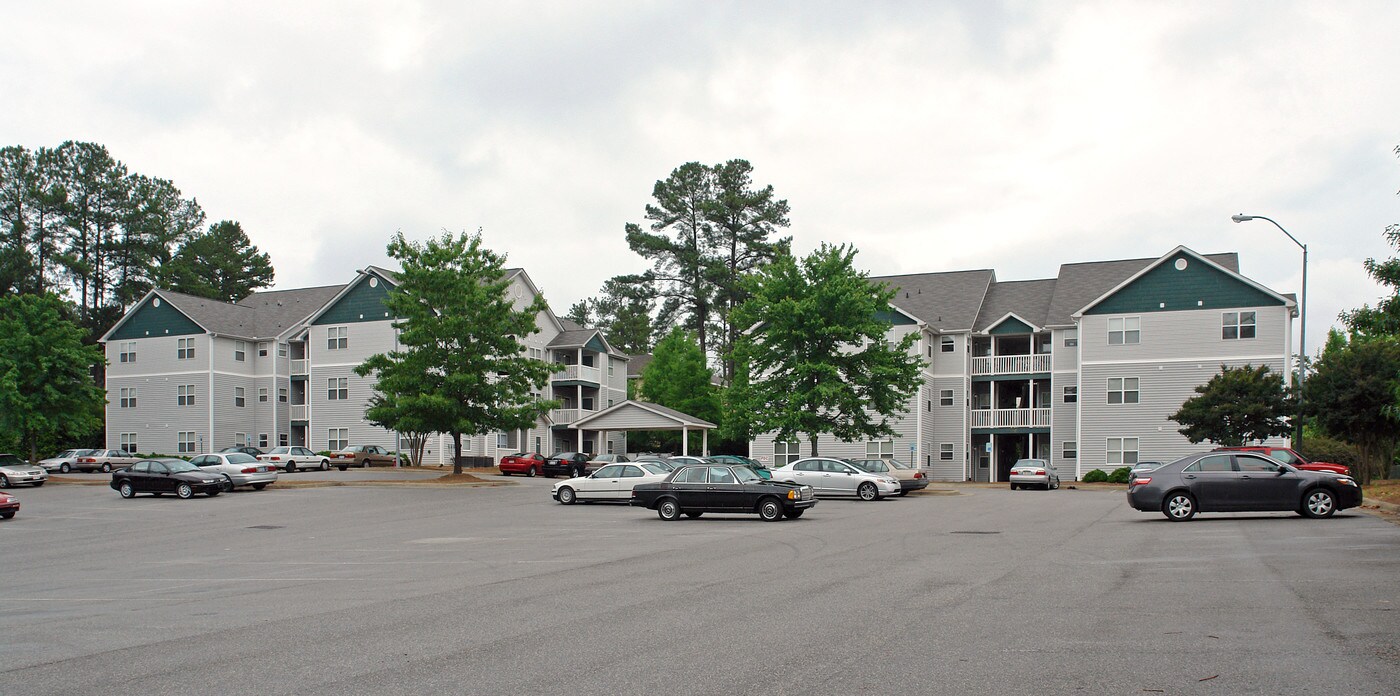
x: 1282, y: 471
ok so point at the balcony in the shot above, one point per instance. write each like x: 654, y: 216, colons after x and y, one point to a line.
x: 579, y: 373
x: 299, y: 367
x: 298, y: 412
x: 1011, y: 417
x: 1011, y: 364
x: 565, y: 416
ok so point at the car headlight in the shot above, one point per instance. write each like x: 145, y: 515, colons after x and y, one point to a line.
x: 1345, y: 481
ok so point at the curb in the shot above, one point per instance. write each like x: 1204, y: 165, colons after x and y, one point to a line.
x: 1382, y: 506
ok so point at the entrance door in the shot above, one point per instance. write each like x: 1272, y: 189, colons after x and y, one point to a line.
x: 1009, y: 449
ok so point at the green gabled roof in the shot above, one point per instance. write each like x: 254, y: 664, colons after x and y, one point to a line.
x: 360, y: 302
x: 1183, y: 280
x: 1010, y: 324
x: 154, y: 317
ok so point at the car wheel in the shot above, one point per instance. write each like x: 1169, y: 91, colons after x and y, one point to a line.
x: 64, y: 468
x: 668, y: 509
x: 530, y: 472
x: 38, y: 483
x: 1319, y: 503
x: 342, y: 467
x: 793, y: 514
x: 6, y: 515
x: 126, y: 490
x: 291, y: 466
x: 866, y: 491
x: 184, y: 491
x: 1179, y: 506
x: 566, y: 495
x: 578, y: 473
x: 325, y: 465
x: 771, y: 510
x: 4, y: 482
x: 1014, y: 486
x: 227, y: 485
x: 259, y: 486
x: 694, y: 515
x: 106, y: 468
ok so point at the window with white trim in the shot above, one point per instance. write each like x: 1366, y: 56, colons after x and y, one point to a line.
x: 785, y: 453
x: 281, y: 350
x: 947, y: 344
x: 1071, y: 394
x: 184, y: 442
x: 945, y: 451
x: 1237, y: 325
x: 1124, y: 330
x: 240, y: 397
x: 184, y: 349
x: 240, y: 351
x: 1122, y: 451
x: 262, y: 395
x: 337, y: 439
x: 1123, y: 390
x: 262, y: 440
x: 502, y: 440
x: 128, y: 352
x: 184, y: 395
x: 1071, y: 449
x: 282, y: 397
x: 1071, y: 338
x: 240, y: 439
x: 128, y: 397
x: 945, y: 397
x: 877, y: 449
x: 337, y: 337
x: 338, y: 388
x: 128, y: 443
x: 281, y: 439
x: 262, y: 349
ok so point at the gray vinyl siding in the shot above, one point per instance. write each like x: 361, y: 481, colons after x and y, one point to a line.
x: 364, y: 339
x: 1189, y: 335
x: 157, y: 372
x: 1063, y: 423
x: 946, y: 424
x: 229, y: 418
x: 955, y: 362
x: 1062, y: 357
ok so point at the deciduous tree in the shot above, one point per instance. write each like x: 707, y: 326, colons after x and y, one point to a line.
x: 677, y: 377
x: 1351, y: 394
x: 1237, y: 406
x: 46, y: 385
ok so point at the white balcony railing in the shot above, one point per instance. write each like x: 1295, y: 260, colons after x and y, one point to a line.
x: 299, y: 412
x: 1011, y: 418
x: 565, y: 416
x: 1011, y: 364
x: 581, y: 373
x: 299, y: 367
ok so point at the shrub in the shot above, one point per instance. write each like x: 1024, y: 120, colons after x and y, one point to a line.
x: 1120, y: 475
x: 1325, y: 449
x: 1094, y: 476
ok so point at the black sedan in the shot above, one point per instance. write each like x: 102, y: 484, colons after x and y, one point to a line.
x: 1239, y: 482
x: 566, y: 463
x: 161, y: 476
x: 695, y: 489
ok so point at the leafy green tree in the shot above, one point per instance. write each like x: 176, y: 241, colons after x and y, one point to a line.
x: 818, y: 355
x: 222, y: 264
x: 623, y: 313
x: 1237, y: 406
x: 677, y: 377
x: 459, y: 367
x: 1351, y: 394
x: 1384, y: 318
x: 46, y: 385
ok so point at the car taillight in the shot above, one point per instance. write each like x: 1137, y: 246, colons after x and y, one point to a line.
x: 1142, y: 480
x: 275, y: 459
x: 918, y: 474
x: 251, y: 470
x: 89, y: 461
x: 1039, y: 472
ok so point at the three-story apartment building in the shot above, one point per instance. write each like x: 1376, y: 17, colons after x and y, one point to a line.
x: 191, y: 375
x: 1082, y: 369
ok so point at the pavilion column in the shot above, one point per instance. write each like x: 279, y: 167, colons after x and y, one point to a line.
x: 580, y: 438
x: 685, y: 440
x: 705, y: 442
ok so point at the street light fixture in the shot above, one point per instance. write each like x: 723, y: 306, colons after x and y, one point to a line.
x: 1302, y: 321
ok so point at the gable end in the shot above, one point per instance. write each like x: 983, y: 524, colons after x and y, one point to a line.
x: 149, y: 321
x: 363, y: 302
x: 1198, y: 285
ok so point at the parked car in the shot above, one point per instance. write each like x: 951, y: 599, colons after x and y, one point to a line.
x: 833, y: 477
x: 910, y: 478
x: 15, y: 471
x: 104, y: 460
x: 1034, y: 472
x: 1239, y: 482
x: 696, y: 489
x: 528, y: 463
x: 1141, y: 468
x: 292, y: 458
x: 658, y: 461
x: 684, y: 459
x: 735, y: 459
x: 240, y: 469
x: 161, y: 476
x: 1291, y: 458
x: 612, y: 482
x: 363, y: 456
x: 245, y: 449
x: 63, y: 461
x: 9, y: 506
x: 599, y: 461
x: 567, y: 463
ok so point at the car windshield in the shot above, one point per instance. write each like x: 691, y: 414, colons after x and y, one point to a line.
x: 279, y: 450
x: 898, y: 464
x: 746, y: 475
x: 10, y: 460
x: 178, y: 467
x: 355, y: 448
x: 654, y: 469
x: 240, y: 458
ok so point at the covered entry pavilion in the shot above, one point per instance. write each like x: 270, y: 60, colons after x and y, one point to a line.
x: 641, y: 415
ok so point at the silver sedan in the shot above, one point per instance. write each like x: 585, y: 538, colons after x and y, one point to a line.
x: 1034, y: 472
x: 15, y: 471
x: 833, y: 477
x: 241, y: 469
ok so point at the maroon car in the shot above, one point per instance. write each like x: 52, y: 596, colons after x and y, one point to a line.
x: 9, y: 505
x: 1291, y: 458
x: 528, y: 463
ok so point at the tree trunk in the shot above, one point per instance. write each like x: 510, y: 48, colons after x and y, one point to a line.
x: 814, y: 446
x: 34, y: 448
x: 456, y: 453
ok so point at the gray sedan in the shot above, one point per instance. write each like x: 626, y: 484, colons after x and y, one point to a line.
x: 15, y: 471
x: 241, y: 469
x: 1239, y: 482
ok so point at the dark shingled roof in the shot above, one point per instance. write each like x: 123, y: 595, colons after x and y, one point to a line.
x: 637, y: 363
x: 570, y: 324
x: 946, y: 301
x: 260, y: 315
x: 572, y: 338
x: 1028, y: 299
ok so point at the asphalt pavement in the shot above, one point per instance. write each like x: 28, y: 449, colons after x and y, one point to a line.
x: 500, y: 590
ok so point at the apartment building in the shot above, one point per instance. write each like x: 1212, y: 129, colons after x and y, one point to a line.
x: 1082, y: 369
x: 189, y: 375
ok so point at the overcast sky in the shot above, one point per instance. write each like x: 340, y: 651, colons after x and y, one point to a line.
x: 931, y: 135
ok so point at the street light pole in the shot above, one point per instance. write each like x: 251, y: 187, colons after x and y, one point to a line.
x: 1302, y: 321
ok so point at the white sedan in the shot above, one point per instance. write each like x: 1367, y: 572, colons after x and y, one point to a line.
x: 290, y: 458
x: 833, y: 477
x: 241, y: 469
x: 612, y: 482
x: 1034, y: 472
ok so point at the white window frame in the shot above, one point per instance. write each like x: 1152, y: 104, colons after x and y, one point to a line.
x: 337, y: 438
x: 184, y: 349
x: 185, y: 442
x: 184, y: 395
x: 128, y: 352
x: 240, y: 439
x: 1121, y: 388
x: 785, y: 453
x: 128, y: 443
x: 1070, y: 449
x: 879, y: 449
x: 1127, y: 330
x: 282, y: 399
x: 502, y: 440
x: 1119, y: 453
x: 338, y: 389
x: 1233, y: 326
x: 281, y: 439
x: 240, y: 351
x: 945, y: 452
x: 262, y: 395
x: 337, y: 337
x: 240, y: 397
x: 262, y: 349
x: 1069, y: 394
x: 945, y: 397
x: 281, y: 350
x: 947, y: 344
x: 127, y: 397
x: 1071, y: 338
x: 262, y: 441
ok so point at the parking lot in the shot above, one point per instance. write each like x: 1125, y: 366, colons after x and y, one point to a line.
x: 364, y: 590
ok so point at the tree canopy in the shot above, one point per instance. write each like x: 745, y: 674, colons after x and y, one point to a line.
x: 459, y: 367
x: 1384, y: 318
x: 1351, y: 394
x: 1237, y: 406
x: 221, y: 264
x: 622, y: 312
x: 819, y: 359
x: 46, y: 385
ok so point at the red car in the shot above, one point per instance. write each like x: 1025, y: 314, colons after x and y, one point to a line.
x: 9, y: 505
x: 1293, y: 459
x: 528, y: 463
